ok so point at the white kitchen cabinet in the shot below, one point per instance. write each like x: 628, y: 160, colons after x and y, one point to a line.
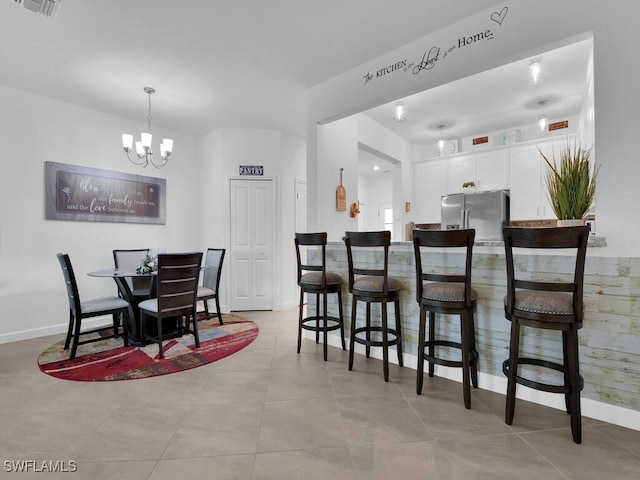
x: 492, y: 170
x: 460, y: 169
x: 528, y: 191
x: 429, y: 187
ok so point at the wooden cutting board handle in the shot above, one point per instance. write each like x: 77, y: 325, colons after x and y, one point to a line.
x: 341, y: 195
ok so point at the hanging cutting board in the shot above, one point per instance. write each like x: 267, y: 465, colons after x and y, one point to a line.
x: 341, y: 196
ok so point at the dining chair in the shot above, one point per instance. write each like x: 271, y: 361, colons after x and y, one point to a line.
x: 313, y: 277
x: 551, y: 301
x: 211, y: 281
x: 129, y: 260
x: 177, y: 285
x: 79, y: 310
x: 445, y: 288
x: 369, y: 282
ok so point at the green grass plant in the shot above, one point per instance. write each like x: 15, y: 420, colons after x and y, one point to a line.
x: 571, y: 182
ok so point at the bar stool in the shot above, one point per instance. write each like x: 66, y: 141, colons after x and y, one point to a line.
x: 320, y: 282
x: 553, y: 304
x: 373, y: 285
x: 447, y: 291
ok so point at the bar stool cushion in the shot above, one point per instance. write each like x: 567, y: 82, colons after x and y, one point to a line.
x: 548, y: 303
x: 375, y: 284
x: 446, y: 292
x: 314, y: 279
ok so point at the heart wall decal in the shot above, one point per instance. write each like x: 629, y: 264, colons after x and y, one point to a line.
x: 498, y: 17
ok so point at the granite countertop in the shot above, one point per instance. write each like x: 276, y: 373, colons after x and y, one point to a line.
x: 594, y: 241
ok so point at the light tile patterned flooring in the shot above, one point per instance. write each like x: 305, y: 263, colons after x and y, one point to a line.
x: 269, y: 413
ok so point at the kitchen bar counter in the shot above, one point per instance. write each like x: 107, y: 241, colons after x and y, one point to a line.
x: 609, y: 340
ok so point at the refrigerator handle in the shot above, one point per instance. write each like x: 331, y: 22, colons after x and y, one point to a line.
x: 464, y: 219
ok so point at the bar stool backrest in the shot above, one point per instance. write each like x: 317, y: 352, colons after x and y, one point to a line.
x: 309, y: 240
x: 444, y: 239
x: 380, y: 239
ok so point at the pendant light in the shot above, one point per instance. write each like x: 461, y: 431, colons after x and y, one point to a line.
x: 143, y: 147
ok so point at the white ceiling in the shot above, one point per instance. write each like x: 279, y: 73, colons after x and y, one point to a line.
x: 495, y: 100
x: 213, y: 63
x: 248, y: 63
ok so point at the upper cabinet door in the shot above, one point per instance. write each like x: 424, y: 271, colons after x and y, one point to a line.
x: 460, y: 170
x: 492, y: 170
x: 429, y: 187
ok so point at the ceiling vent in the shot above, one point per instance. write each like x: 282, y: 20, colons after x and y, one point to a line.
x: 48, y: 8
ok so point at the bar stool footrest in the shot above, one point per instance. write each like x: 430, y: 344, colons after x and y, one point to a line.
x: 473, y: 354
x: 546, y: 387
x: 394, y: 338
x: 317, y: 323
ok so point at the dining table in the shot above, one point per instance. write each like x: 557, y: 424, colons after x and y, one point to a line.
x: 121, y: 277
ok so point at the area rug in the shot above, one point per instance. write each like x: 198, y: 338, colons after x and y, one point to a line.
x: 108, y: 360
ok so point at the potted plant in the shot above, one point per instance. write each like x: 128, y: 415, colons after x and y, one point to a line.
x: 571, y: 184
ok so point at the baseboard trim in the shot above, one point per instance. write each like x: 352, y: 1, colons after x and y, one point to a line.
x: 605, y: 412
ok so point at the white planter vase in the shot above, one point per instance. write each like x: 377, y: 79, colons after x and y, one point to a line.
x: 570, y: 222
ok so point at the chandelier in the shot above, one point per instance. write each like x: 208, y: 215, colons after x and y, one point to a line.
x: 144, y: 153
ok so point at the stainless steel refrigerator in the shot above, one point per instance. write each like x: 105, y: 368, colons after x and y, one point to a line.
x: 487, y: 212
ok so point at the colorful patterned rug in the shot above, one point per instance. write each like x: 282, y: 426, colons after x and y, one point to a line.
x: 108, y: 360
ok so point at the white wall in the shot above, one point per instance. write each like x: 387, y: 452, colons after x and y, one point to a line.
x: 220, y: 154
x: 529, y: 28
x: 33, y: 130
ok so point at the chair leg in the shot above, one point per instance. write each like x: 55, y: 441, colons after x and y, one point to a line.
x: 143, y: 329
x: 76, y: 338
x: 317, y: 318
x: 514, y: 347
x: 160, y: 352
x: 125, y: 327
x: 116, y: 324
x: 567, y: 373
x: 324, y: 326
x: 300, y: 319
x: 472, y: 347
x: 352, y: 341
x: 218, y: 310
x: 205, y: 302
x: 196, y: 334
x: 368, y: 332
x: 421, y: 346
x: 398, y: 329
x: 464, y: 340
x: 573, y: 368
x: 69, y: 330
x: 385, y: 342
x: 341, y: 319
x: 432, y: 338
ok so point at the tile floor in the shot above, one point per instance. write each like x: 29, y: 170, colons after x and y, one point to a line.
x: 269, y: 413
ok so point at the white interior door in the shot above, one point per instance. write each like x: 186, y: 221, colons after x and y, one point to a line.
x: 252, y: 214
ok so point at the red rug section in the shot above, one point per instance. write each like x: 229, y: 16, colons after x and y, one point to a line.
x: 117, y: 362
